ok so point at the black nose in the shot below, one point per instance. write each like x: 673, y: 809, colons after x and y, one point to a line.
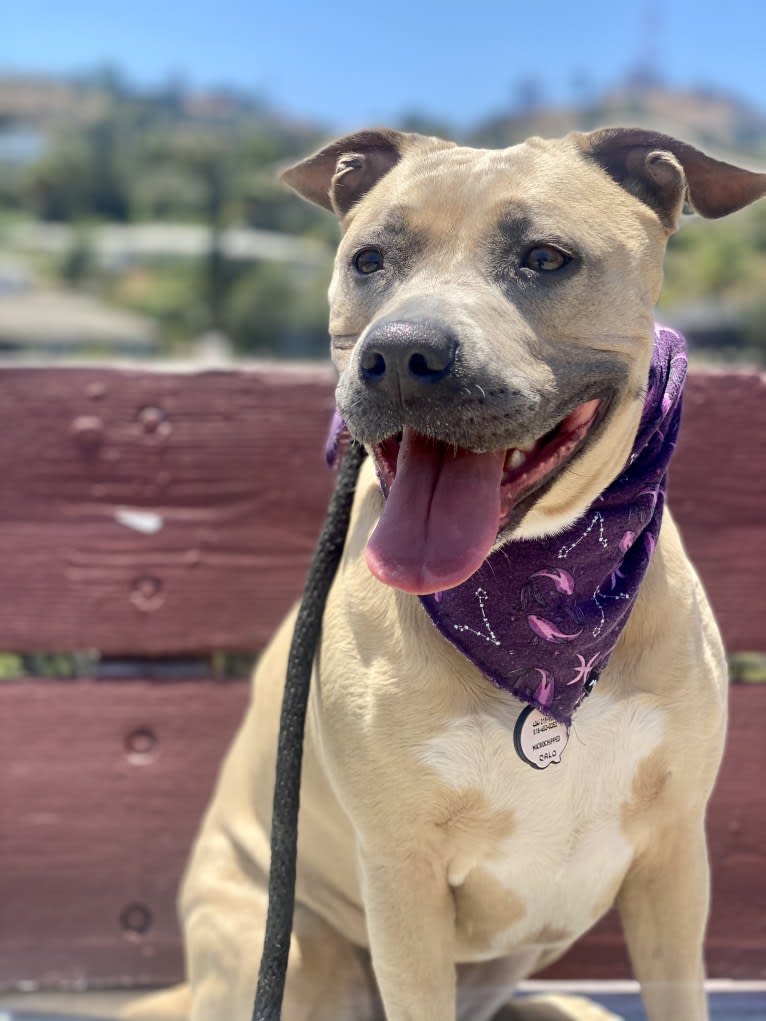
x: 404, y: 356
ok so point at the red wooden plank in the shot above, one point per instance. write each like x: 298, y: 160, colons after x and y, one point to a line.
x: 718, y: 495
x: 97, y: 824
x: 231, y: 462
x: 228, y: 463
x: 102, y: 786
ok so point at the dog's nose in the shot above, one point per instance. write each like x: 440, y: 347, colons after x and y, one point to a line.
x: 403, y: 356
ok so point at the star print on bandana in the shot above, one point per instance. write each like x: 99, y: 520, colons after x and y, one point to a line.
x: 541, y: 617
x: 566, y: 598
x: 486, y: 633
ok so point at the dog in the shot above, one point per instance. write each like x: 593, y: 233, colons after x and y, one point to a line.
x: 466, y: 812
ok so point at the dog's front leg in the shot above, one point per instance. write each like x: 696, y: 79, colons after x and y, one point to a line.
x: 663, y: 905
x: 411, y: 927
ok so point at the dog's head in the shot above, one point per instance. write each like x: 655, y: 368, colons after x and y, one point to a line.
x: 491, y: 321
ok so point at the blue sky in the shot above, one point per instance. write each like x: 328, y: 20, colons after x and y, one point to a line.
x: 351, y: 64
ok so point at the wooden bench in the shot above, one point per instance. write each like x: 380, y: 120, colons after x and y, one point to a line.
x: 165, y: 518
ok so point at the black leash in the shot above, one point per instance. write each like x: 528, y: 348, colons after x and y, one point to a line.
x: 284, y: 825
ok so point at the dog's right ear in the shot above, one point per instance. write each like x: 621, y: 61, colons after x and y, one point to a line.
x: 664, y: 172
x: 339, y: 175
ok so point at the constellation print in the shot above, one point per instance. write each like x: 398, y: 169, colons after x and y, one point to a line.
x: 487, y: 634
x: 597, y: 519
x: 551, y: 610
x: 600, y: 626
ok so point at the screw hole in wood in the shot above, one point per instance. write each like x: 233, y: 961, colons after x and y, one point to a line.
x: 141, y: 745
x: 135, y: 920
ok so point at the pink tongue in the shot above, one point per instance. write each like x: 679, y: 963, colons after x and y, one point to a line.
x: 440, y: 519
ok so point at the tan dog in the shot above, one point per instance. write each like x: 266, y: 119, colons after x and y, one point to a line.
x: 482, y: 298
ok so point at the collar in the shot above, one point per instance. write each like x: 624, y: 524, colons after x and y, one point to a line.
x: 541, y: 617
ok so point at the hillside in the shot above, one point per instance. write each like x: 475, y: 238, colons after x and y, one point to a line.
x: 92, y: 151
x: 703, y: 116
x: 716, y: 122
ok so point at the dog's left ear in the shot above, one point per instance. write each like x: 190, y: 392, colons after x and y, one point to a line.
x: 341, y: 173
x: 666, y: 173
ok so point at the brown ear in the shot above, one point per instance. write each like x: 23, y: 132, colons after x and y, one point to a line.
x: 665, y: 173
x: 339, y: 175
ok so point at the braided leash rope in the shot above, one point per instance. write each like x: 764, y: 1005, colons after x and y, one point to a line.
x: 284, y: 827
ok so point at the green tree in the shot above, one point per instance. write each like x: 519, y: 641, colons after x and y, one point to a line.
x: 272, y: 310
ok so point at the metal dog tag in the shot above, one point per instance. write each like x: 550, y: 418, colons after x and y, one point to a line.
x: 538, y: 739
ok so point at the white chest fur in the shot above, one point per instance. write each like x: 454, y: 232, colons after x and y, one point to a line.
x: 535, y: 857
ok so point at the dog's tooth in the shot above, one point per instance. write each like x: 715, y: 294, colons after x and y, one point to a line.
x: 517, y: 459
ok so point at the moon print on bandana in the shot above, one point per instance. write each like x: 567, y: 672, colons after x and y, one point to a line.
x: 541, y: 617
x: 551, y: 593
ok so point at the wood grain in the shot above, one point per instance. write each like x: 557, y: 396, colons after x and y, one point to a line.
x: 231, y: 464
x: 717, y: 492
x: 103, y: 785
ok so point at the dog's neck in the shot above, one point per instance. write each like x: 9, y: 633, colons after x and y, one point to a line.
x: 541, y: 617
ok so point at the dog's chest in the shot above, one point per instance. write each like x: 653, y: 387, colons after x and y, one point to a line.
x: 535, y: 857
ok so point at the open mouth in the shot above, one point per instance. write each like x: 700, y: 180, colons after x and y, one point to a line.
x: 446, y: 505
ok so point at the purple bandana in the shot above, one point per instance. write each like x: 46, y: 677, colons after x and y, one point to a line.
x: 541, y: 617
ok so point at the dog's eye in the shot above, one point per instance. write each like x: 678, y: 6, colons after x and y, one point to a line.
x: 545, y: 259
x: 368, y: 260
